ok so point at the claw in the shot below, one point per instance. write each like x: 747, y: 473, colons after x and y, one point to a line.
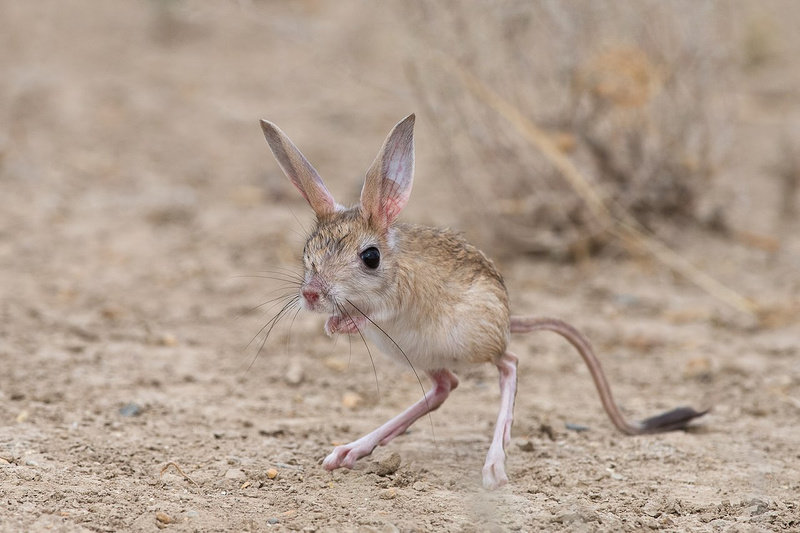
x: 346, y: 455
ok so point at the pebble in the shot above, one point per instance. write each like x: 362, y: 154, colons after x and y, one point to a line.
x: 131, y: 409
x: 286, y: 456
x: 272, y: 473
x: 387, y: 465
x: 757, y: 507
x: 336, y: 364
x: 168, y: 339
x: 576, y: 427
x: 164, y: 518
x: 351, y: 400
x: 697, y: 368
x: 652, y: 508
x: 271, y: 432
x: 526, y: 446
x: 294, y: 374
x: 419, y: 486
x: 388, y: 494
x: 235, y: 473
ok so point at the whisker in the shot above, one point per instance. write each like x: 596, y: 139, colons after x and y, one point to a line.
x: 278, y: 302
x: 272, y: 323
x: 374, y: 370
x: 275, y: 278
x: 421, y: 386
x: 289, y: 333
x: 259, y: 306
x: 284, y: 272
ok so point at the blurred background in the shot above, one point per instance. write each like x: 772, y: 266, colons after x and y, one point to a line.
x: 682, y: 115
x: 633, y: 166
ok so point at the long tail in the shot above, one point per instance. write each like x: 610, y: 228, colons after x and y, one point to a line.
x: 675, y: 419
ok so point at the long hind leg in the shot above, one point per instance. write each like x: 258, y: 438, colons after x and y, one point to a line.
x: 494, y: 470
x: 346, y: 455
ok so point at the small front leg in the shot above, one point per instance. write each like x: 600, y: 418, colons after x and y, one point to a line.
x: 346, y: 455
x: 494, y: 470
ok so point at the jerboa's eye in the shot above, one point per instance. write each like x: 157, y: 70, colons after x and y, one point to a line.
x: 371, y: 257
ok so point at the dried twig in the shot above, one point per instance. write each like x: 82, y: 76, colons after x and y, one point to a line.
x: 180, y: 471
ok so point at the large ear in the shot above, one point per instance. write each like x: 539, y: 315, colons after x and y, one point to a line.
x: 299, y: 170
x: 388, y: 183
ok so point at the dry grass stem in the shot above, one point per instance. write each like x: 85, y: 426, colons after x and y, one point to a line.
x: 617, y: 222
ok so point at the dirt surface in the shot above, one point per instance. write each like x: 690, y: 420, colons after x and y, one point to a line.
x: 139, y: 207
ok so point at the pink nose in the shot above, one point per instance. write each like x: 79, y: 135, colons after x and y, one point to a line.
x: 310, y: 295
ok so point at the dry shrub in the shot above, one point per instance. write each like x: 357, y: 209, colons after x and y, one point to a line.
x: 632, y: 91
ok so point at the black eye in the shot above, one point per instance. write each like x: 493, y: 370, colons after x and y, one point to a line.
x: 371, y: 257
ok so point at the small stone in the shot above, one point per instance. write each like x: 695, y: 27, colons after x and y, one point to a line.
x: 287, y: 457
x: 697, y: 368
x: 272, y: 473
x: 235, y: 473
x: 164, y: 518
x: 336, y: 364
x: 652, y: 508
x: 130, y: 409
x: 22, y: 416
x: 273, y: 521
x: 168, y: 339
x: 757, y: 507
x: 419, y: 486
x: 192, y: 514
x: 388, y: 465
x: 388, y: 494
x: 526, y: 446
x: 294, y: 374
x: 576, y: 427
x: 112, y: 312
x: 271, y: 432
x: 351, y: 400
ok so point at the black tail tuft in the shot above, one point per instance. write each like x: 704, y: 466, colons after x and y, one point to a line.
x: 671, y: 420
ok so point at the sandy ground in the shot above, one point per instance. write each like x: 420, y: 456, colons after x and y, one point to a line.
x: 138, y: 208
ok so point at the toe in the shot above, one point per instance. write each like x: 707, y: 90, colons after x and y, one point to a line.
x: 494, y: 476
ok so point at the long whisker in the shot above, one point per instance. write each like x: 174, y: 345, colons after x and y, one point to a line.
x: 274, y: 321
x: 374, y: 370
x: 259, y: 306
x: 289, y: 333
x: 421, y: 386
x: 277, y: 301
x: 284, y: 272
x: 286, y: 279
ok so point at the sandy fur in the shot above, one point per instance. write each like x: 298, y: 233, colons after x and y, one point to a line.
x: 435, y: 296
